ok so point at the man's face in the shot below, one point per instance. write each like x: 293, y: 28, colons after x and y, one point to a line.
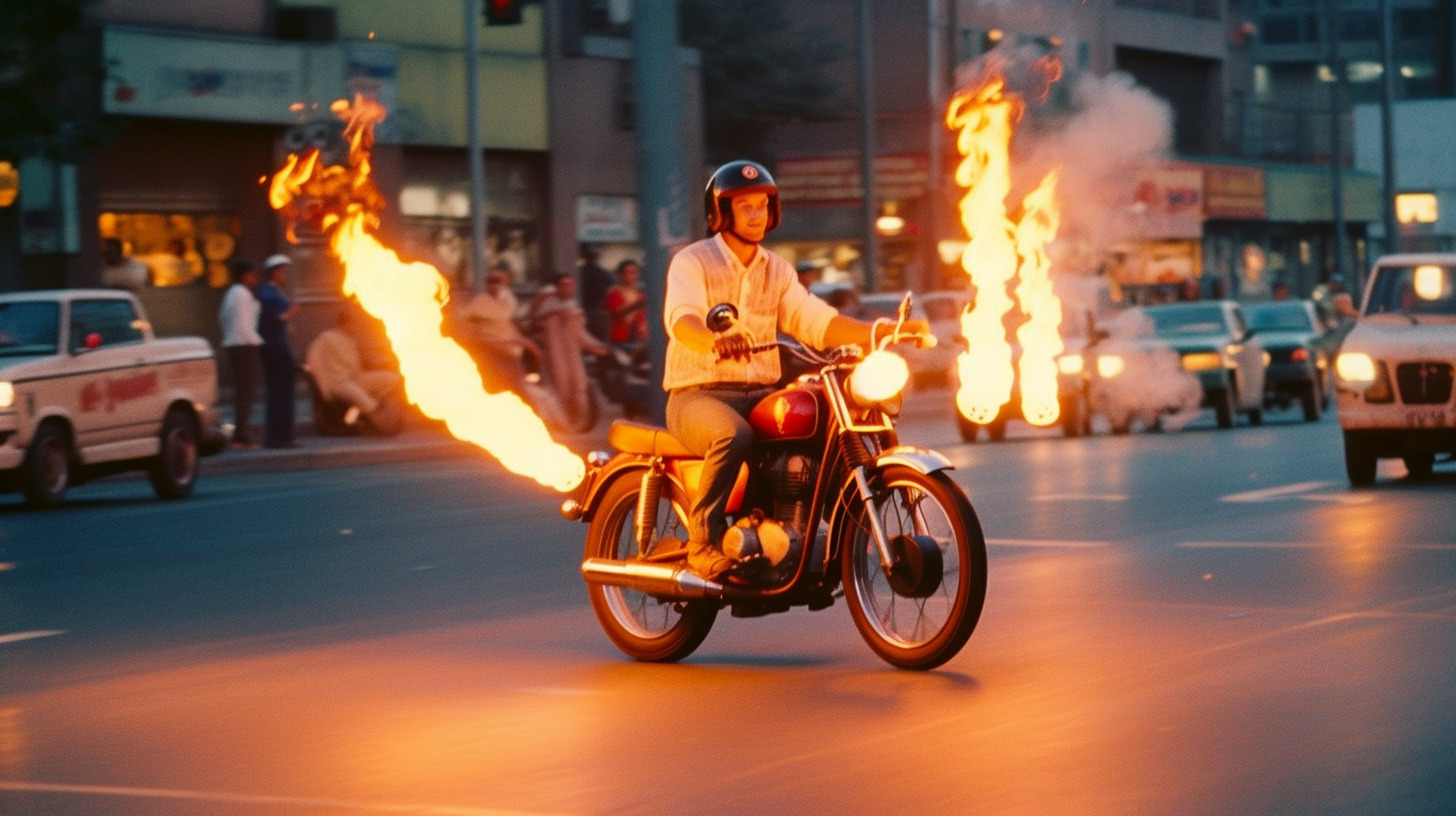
x: 566, y: 288
x: 750, y: 216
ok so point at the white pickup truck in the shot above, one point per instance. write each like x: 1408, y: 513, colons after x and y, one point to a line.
x: 1395, y: 368
x: 86, y: 390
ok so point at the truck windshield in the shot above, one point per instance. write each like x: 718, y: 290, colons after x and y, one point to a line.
x: 29, y: 328
x: 1412, y: 290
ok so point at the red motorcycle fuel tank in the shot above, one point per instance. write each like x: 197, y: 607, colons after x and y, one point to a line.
x: 794, y: 412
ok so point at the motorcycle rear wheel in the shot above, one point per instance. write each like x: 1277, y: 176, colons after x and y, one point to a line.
x: 643, y: 627
x: 906, y: 631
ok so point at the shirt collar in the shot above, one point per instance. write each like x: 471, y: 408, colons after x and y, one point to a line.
x: 727, y: 252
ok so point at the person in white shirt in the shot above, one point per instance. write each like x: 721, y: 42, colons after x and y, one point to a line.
x: 337, y: 366
x: 714, y: 380
x: 241, y: 343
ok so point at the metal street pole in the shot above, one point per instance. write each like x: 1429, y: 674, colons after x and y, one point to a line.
x: 1387, y: 132
x: 1337, y: 186
x: 870, y: 254
x: 935, y: 91
x: 474, y: 148
x: 662, y: 214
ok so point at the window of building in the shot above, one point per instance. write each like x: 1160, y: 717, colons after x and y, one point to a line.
x: 178, y: 249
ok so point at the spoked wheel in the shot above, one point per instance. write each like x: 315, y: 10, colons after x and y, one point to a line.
x: 642, y: 626
x: 912, y: 618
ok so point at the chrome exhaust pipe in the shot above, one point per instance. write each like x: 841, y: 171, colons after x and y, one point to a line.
x: 655, y: 579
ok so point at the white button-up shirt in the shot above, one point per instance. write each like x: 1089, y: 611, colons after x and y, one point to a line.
x: 769, y: 298
x: 238, y: 317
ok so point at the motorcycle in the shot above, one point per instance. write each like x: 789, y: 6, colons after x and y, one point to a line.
x: 829, y: 505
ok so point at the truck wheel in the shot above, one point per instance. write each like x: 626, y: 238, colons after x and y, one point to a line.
x: 47, y: 468
x: 968, y: 429
x: 1310, y: 399
x: 1359, y: 460
x: 174, y: 471
x: 1223, y: 406
x: 1419, y: 465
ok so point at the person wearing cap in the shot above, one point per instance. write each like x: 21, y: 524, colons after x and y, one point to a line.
x: 714, y: 379
x: 237, y: 317
x: 280, y: 367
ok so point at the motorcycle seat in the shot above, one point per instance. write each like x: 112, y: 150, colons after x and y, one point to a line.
x: 646, y: 440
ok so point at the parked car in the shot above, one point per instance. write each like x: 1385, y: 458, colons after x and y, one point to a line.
x: 1214, y: 341
x: 1299, y: 357
x: 1394, y: 372
x: 86, y: 390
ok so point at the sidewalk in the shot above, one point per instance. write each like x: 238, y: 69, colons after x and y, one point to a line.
x: 422, y: 439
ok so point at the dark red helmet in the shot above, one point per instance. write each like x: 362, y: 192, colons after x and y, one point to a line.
x: 736, y: 178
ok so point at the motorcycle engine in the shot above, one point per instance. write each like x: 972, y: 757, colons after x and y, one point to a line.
x: 777, y: 536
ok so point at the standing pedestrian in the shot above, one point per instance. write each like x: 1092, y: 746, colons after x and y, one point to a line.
x: 279, y: 365
x: 238, y: 319
x: 595, y: 283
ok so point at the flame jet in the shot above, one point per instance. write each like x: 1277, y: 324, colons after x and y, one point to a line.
x: 1000, y: 251
x: 408, y: 298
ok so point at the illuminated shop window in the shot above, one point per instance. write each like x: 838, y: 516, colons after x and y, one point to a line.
x: 178, y: 249
x: 1416, y: 208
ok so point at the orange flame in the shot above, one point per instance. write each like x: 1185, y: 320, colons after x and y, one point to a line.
x: 439, y: 376
x: 999, y: 251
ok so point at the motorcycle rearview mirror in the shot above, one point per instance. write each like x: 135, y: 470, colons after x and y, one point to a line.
x: 722, y: 317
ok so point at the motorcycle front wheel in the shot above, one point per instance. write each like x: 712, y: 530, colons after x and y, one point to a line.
x: 916, y: 621
x: 642, y: 626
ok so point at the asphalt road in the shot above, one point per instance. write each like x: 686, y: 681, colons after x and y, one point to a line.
x: 1193, y: 622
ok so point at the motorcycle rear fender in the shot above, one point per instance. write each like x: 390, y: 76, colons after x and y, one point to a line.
x: 683, y: 472
x: 920, y: 459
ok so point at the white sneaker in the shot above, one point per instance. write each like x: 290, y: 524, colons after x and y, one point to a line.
x: 352, y: 415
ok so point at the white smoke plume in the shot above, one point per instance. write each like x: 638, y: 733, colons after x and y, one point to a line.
x: 1153, y: 388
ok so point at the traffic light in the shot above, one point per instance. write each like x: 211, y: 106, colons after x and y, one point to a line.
x: 502, y: 12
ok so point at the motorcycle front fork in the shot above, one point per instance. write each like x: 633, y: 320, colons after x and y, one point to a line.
x: 872, y: 509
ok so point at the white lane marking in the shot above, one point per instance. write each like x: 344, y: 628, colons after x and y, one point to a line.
x: 1303, y: 545
x: 16, y: 637
x: 1107, y: 497
x: 1341, y: 498
x: 1270, y: 493
x: 1046, y: 542
x: 255, y: 799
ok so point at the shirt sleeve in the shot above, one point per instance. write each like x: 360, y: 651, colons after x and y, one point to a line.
x: 687, y: 290
x: 802, y: 315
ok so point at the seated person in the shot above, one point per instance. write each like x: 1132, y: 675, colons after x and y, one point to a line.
x: 491, y: 336
x: 338, y: 368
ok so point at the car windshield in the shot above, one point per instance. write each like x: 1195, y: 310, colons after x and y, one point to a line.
x: 1423, y: 289
x: 1173, y: 321
x: 29, y: 328
x: 1291, y: 316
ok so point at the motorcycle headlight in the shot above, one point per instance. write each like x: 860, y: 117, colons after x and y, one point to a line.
x: 1110, y: 365
x: 1070, y: 364
x: 7, y: 394
x: 880, y: 377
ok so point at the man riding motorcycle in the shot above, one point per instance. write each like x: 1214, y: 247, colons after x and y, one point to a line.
x: 714, y: 379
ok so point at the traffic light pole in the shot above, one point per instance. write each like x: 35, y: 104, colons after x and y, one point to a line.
x: 662, y: 214
x: 474, y: 147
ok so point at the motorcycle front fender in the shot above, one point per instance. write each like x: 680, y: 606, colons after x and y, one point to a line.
x: 583, y: 504
x: 923, y: 460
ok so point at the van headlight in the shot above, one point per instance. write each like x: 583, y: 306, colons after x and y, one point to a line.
x: 1070, y: 364
x: 1355, y: 367
x: 1202, y: 361
x: 7, y: 394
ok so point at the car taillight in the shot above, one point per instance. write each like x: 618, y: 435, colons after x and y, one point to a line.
x: 1299, y: 355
